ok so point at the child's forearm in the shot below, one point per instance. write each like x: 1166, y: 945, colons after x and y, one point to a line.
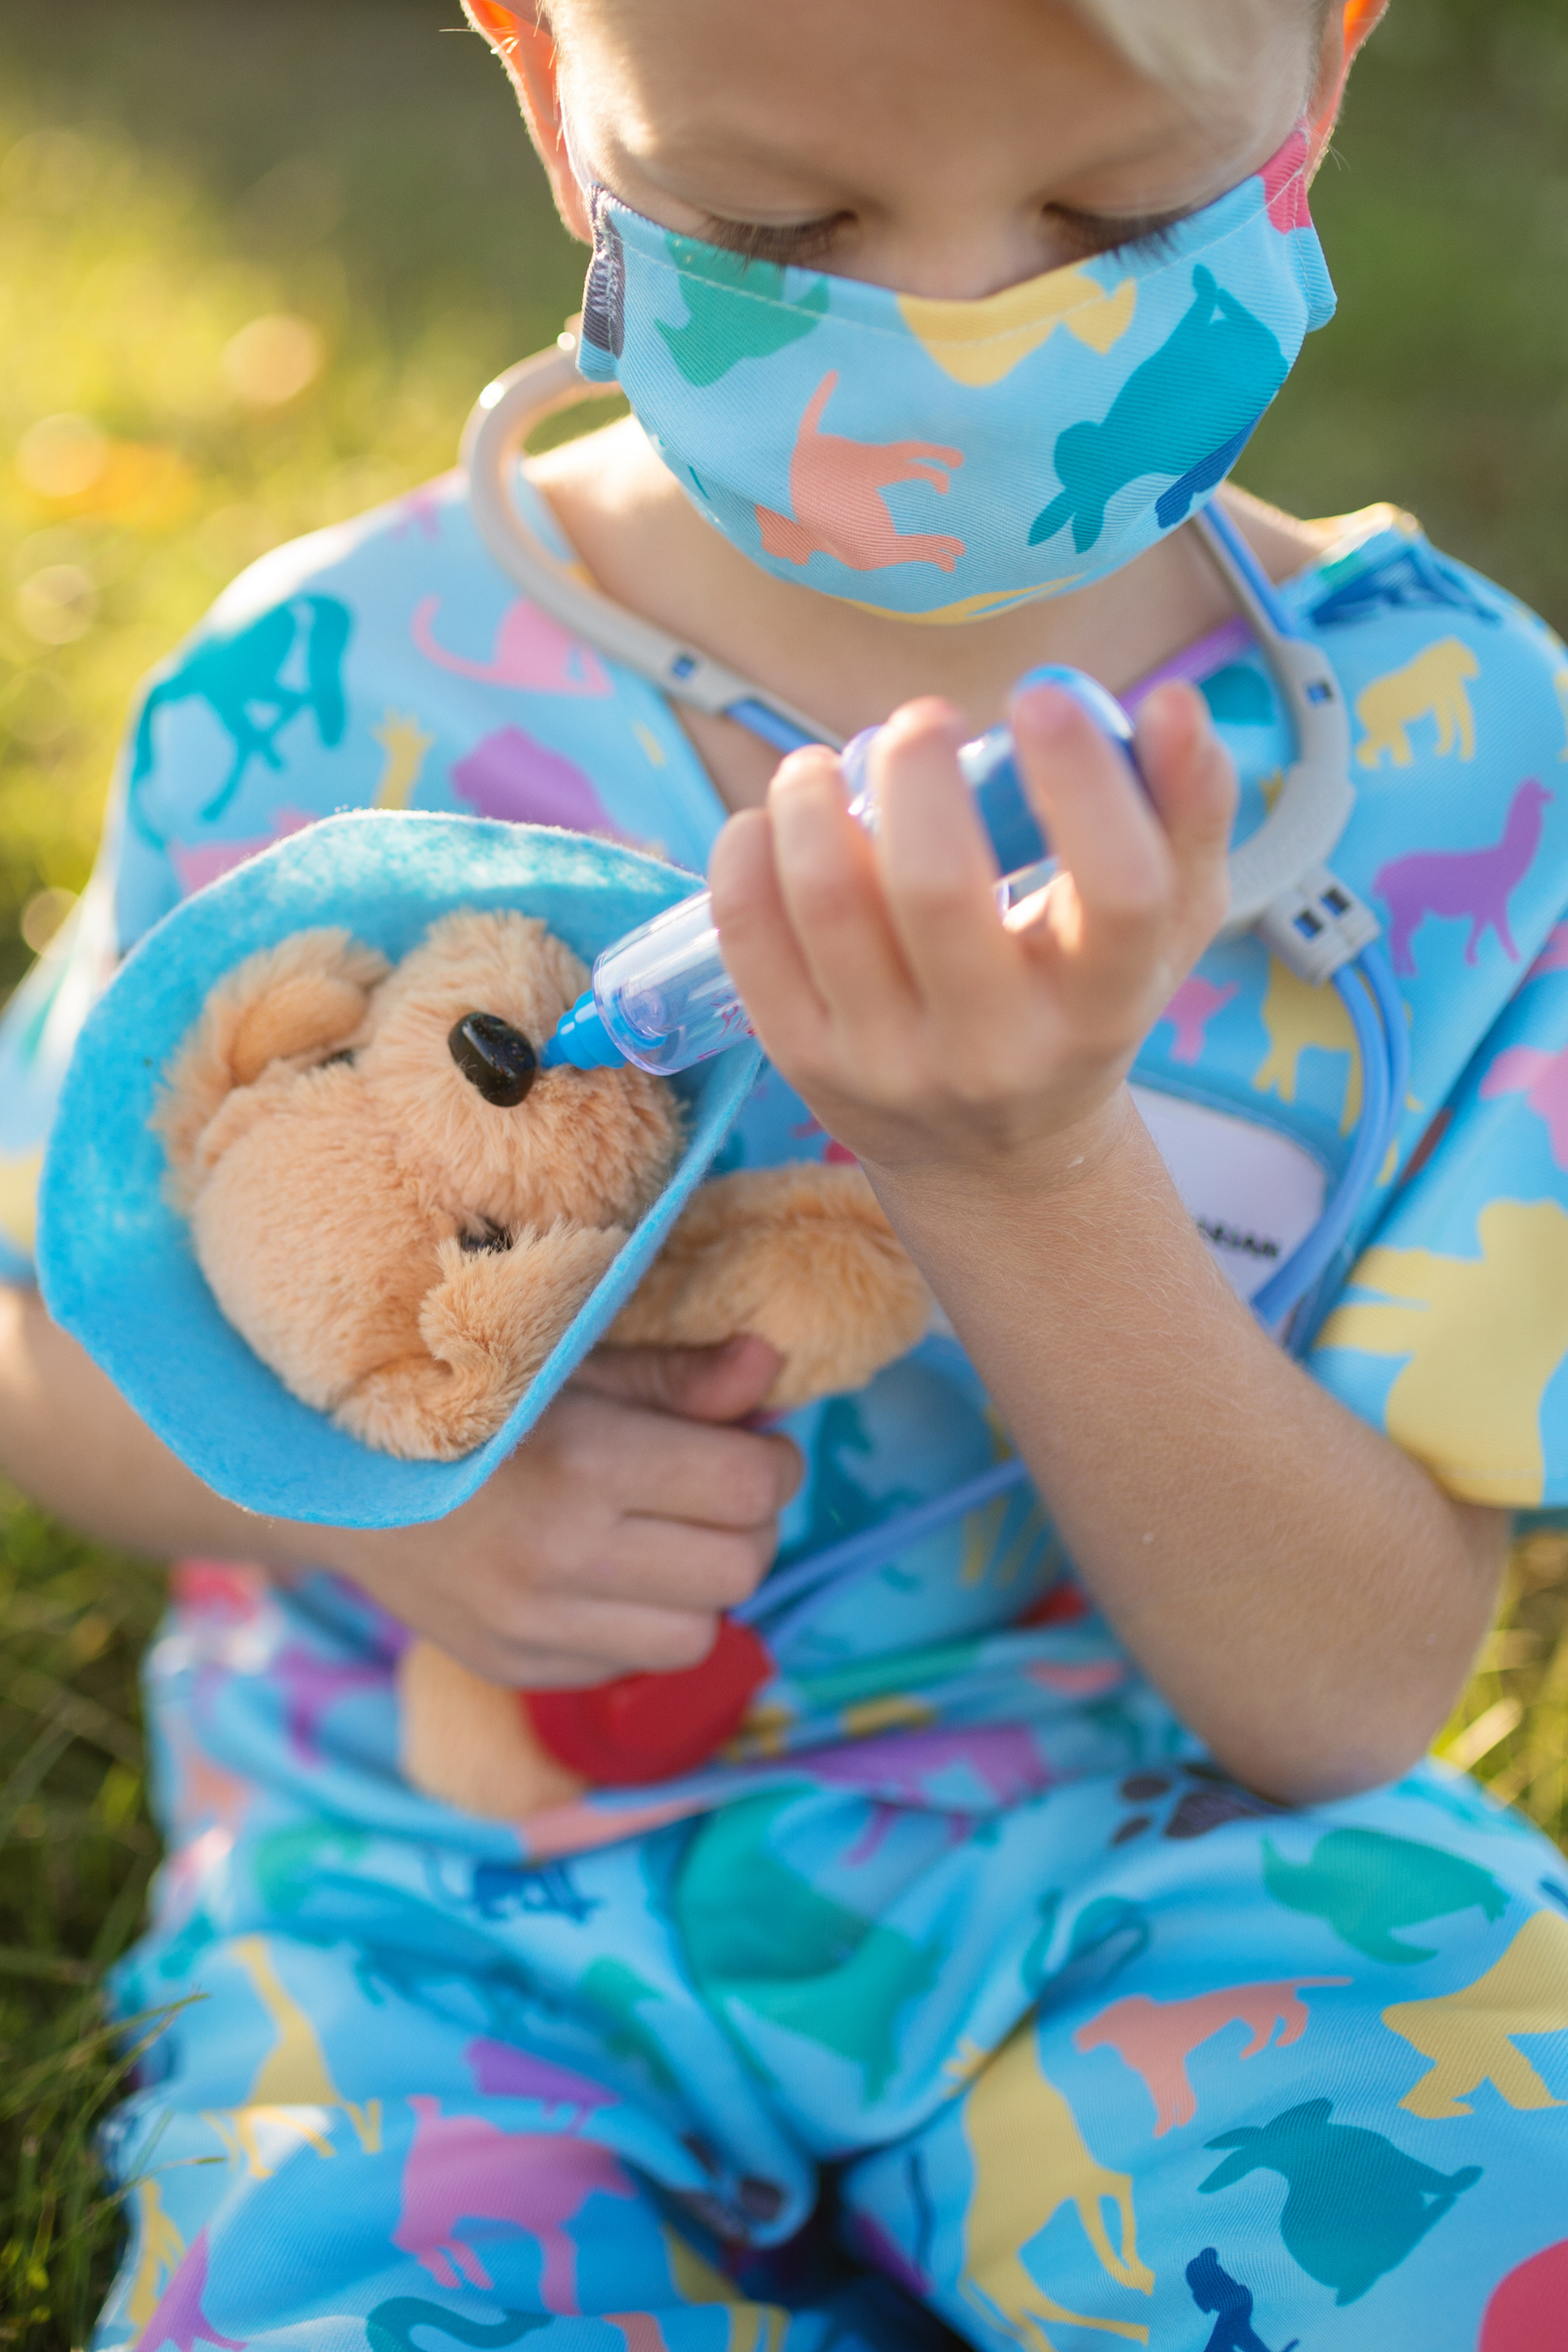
x: 69, y: 1439
x: 1304, y: 1595
x: 608, y: 1543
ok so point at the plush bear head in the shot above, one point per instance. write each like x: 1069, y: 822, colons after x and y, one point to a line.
x: 391, y: 1200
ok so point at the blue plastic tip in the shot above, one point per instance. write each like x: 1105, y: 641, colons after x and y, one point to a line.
x: 582, y: 1041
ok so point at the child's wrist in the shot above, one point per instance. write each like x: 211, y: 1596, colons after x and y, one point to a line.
x: 1029, y: 1171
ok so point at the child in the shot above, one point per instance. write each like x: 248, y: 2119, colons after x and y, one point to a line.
x: 1076, y: 1929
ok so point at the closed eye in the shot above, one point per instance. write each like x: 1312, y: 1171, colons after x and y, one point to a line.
x: 1155, y: 234
x: 795, y: 244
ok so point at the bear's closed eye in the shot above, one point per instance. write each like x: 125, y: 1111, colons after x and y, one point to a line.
x: 492, y: 1238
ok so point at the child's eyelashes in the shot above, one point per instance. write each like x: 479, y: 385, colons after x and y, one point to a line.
x: 1155, y: 234
x: 797, y: 243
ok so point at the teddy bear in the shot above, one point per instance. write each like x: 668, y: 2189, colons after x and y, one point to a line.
x: 401, y: 1212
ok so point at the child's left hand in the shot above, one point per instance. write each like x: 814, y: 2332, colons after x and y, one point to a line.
x: 924, y: 1029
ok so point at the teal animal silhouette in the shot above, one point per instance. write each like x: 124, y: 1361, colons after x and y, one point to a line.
x: 1365, y: 1883
x: 241, y: 680
x: 735, y: 309
x: 1187, y: 411
x: 1357, y: 2205
x: 621, y: 1993
x: 390, y: 2325
x: 760, y: 1938
x: 288, y: 1863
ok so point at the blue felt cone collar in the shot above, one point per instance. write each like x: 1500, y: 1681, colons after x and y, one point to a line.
x: 114, y: 1259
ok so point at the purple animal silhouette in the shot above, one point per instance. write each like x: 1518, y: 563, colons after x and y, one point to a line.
x: 1189, y: 1011
x: 1457, y: 883
x: 459, y: 2168
x: 1542, y: 1080
x: 180, y: 2318
x: 532, y: 652
x: 895, y: 1772
x: 502, y: 2071
x: 311, y: 1686
x: 512, y: 777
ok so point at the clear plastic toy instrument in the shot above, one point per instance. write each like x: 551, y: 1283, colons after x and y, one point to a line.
x: 662, y: 997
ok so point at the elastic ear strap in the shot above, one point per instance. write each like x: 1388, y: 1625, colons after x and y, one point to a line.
x: 504, y: 415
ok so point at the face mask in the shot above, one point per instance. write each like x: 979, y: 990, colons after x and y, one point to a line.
x: 947, y: 460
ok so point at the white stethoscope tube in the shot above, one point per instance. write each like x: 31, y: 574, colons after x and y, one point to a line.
x: 1279, y: 880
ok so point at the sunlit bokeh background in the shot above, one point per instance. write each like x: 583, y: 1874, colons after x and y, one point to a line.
x: 254, y: 263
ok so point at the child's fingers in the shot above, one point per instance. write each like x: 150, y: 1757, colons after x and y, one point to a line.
x: 1192, y: 783
x: 827, y: 876
x: 761, y: 950
x: 938, y: 871
x: 1106, y: 836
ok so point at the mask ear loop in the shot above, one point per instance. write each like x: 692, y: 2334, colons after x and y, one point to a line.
x: 506, y: 412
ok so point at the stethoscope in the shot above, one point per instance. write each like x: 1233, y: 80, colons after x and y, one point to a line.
x: 1280, y: 882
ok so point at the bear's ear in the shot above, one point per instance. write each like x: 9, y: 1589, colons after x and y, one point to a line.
x: 304, y: 997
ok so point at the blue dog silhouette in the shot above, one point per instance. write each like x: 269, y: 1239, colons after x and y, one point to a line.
x: 240, y: 679
x: 1218, y: 364
x: 1357, y: 2205
x: 1214, y: 2289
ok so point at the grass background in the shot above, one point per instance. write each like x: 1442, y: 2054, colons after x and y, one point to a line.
x: 172, y: 173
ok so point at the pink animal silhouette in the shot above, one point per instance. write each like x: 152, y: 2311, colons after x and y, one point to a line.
x: 502, y: 2071
x: 836, y: 489
x: 532, y: 652
x: 207, y: 860
x: 1189, y: 1011
x: 459, y: 2168
x: 515, y: 777
x: 180, y: 2318
x: 1529, y: 2311
x: 1542, y: 1080
x: 1284, y: 185
x: 1455, y: 883
x: 1156, y: 2039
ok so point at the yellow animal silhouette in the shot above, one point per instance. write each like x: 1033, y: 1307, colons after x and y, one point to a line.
x: 1481, y: 1436
x: 1030, y: 2160
x: 251, y: 2134
x: 981, y: 342
x: 158, y: 2248
x: 755, y: 2328
x: 294, y: 2071
x: 1469, y: 2035
x: 1297, y: 1015
x: 405, y: 744
x: 1432, y: 686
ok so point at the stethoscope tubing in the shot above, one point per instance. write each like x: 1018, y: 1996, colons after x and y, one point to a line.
x: 1300, y: 833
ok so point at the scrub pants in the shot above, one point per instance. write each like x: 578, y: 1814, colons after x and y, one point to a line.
x: 1110, y: 2049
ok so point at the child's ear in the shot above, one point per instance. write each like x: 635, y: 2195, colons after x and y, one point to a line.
x: 522, y: 40
x: 1347, y: 25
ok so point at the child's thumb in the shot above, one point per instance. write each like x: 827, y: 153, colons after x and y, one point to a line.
x: 726, y: 1383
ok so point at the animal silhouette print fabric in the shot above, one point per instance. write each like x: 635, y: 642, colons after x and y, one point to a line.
x: 953, y: 458
x: 1086, y: 2040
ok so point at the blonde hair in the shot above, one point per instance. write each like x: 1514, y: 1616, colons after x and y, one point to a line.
x: 1186, y: 44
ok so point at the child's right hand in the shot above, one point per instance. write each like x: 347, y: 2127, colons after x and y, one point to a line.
x: 611, y: 1541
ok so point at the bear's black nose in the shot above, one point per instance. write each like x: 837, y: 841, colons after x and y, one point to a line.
x: 494, y: 1056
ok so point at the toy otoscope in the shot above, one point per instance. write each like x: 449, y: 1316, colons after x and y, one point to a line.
x: 661, y: 997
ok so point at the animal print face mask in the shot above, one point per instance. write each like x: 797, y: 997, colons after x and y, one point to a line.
x: 947, y: 459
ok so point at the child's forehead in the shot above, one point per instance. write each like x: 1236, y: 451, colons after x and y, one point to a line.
x: 820, y: 78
